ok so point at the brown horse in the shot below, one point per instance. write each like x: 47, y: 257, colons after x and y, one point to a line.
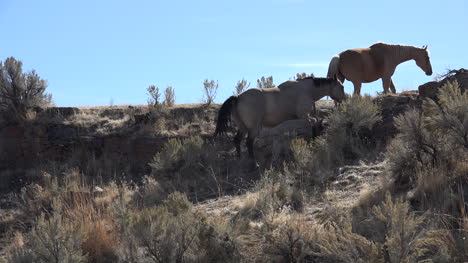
x: 364, y: 65
x: 269, y: 107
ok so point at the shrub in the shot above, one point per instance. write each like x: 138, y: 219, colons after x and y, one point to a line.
x: 402, y: 229
x: 289, y: 240
x: 101, y: 242
x: 123, y: 218
x: 347, y: 139
x: 180, y: 235
x: 158, y: 232
x: 150, y: 193
x: 393, y: 233
x: 434, y: 138
x: 177, y: 203
x: 153, y: 97
x: 216, y: 246
x: 413, y: 147
x: 275, y: 191
x: 186, y: 164
x: 264, y: 83
x: 349, y: 131
x: 20, y: 91
x: 176, y: 151
x: 241, y: 86
x: 169, y: 96
x: 303, y: 75
x: 450, y: 117
x: 210, y: 89
x: 56, y: 240
x: 338, y: 243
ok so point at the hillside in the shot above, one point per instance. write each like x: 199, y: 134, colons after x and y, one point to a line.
x: 133, y: 184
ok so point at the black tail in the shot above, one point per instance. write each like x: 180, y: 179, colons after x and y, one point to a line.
x: 224, y: 115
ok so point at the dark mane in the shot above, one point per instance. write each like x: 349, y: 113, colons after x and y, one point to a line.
x: 319, y: 81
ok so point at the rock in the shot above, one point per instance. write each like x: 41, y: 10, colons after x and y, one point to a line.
x: 430, y: 89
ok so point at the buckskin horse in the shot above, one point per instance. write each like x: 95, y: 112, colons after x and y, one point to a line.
x: 256, y: 108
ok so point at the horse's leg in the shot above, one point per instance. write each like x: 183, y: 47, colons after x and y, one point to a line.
x: 250, y: 145
x: 386, y: 84
x: 237, y: 142
x: 392, y: 86
x: 357, y: 87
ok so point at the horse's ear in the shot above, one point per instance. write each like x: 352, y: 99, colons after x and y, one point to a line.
x: 425, y: 47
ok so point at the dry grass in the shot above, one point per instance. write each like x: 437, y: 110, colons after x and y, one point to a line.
x: 296, y: 212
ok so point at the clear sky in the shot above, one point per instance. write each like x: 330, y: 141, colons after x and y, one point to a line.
x: 92, y: 52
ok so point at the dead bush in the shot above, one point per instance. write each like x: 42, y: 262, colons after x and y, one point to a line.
x: 210, y: 89
x: 101, y: 242
x: 169, y: 96
x: 241, y: 86
x: 154, y: 97
x: 265, y: 82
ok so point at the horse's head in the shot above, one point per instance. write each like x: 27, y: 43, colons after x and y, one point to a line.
x: 337, y: 91
x: 423, y: 61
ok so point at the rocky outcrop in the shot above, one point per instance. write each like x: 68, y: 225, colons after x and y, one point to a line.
x: 392, y: 106
x: 430, y: 89
x: 128, y: 152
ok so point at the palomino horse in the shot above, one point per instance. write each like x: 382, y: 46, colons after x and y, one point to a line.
x: 269, y: 107
x: 377, y: 61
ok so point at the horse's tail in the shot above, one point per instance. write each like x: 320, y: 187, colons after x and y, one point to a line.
x: 333, y: 69
x: 224, y: 115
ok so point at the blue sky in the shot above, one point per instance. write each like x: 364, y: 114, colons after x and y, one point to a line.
x: 92, y: 52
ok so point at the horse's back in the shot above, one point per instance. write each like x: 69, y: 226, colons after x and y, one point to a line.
x: 250, y: 107
x: 359, y: 65
x: 269, y: 106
